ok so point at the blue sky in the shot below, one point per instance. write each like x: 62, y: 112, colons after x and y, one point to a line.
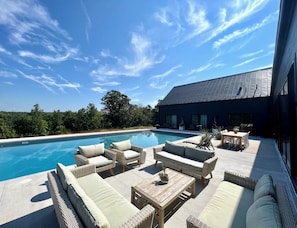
x: 64, y: 55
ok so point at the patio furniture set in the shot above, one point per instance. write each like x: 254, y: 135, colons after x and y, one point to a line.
x: 83, y: 199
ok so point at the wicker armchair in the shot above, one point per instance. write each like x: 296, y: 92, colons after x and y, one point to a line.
x: 127, y: 153
x: 102, y: 158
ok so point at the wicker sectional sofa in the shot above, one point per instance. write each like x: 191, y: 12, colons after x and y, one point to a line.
x: 195, y: 162
x: 243, y: 202
x: 82, y: 198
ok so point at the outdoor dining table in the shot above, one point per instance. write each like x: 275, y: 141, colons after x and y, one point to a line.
x: 241, y: 136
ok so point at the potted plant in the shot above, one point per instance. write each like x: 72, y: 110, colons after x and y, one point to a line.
x: 236, y: 129
x: 163, y: 175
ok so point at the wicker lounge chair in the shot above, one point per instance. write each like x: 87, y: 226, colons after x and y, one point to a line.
x: 102, y: 158
x: 128, y: 153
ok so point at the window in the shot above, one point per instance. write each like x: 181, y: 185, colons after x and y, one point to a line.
x: 171, y: 121
x: 199, y: 121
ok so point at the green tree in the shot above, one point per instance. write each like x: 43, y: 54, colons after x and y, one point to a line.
x: 94, y: 117
x: 39, y: 126
x: 56, y: 123
x: 6, y: 127
x: 116, y: 108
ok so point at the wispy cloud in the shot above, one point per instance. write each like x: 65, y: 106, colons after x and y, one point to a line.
x: 49, y: 58
x: 196, y: 18
x: 236, y: 13
x: 188, y: 20
x: 168, y: 72
x: 51, y: 83
x: 248, y: 55
x: 144, y: 57
x: 157, y: 85
x: 98, y: 89
x: 200, y: 69
x: 244, y: 63
x: 7, y: 74
x: 110, y: 83
x: 4, y: 51
x: 26, y: 20
x: 88, y: 20
x: 242, y: 32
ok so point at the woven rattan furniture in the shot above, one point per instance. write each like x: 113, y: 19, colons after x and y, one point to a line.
x: 151, y: 191
x: 97, y: 155
x: 243, y: 202
x: 195, y: 162
x: 82, y: 198
x: 128, y: 153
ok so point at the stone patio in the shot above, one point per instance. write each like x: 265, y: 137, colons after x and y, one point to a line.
x: 26, y: 202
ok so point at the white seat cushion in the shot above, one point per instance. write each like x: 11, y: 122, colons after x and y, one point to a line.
x: 129, y: 154
x: 100, y: 161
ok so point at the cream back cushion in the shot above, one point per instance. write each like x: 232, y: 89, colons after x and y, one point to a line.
x: 89, y: 213
x: 92, y: 150
x: 65, y: 175
x: 122, y: 145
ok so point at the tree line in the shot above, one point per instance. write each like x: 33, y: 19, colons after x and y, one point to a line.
x: 117, y: 112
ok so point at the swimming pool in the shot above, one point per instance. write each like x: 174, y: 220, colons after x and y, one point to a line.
x: 33, y: 157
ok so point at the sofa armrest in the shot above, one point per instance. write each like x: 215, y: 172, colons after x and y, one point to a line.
x: 80, y: 160
x: 158, y: 149
x: 110, y: 154
x: 240, y: 180
x: 143, y: 219
x: 285, y: 204
x: 136, y: 148
x: 120, y: 156
x: 84, y: 170
x: 209, y: 165
x: 193, y: 222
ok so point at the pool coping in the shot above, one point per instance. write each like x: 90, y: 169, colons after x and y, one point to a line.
x: 49, y: 138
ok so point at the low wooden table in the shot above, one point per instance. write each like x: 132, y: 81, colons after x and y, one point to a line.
x: 241, y: 136
x: 151, y: 191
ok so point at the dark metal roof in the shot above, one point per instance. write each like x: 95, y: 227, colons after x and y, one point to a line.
x: 240, y: 86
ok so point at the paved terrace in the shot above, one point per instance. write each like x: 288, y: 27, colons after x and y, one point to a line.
x: 26, y: 202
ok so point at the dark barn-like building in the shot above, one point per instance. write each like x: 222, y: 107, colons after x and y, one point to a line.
x: 267, y: 98
x: 228, y: 101
x: 284, y: 86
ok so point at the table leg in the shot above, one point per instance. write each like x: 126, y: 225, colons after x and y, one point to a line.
x: 193, y: 188
x: 222, y: 140
x: 161, y: 218
x: 132, y: 196
x: 240, y: 143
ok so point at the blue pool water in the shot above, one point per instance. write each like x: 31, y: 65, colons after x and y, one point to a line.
x: 16, y: 161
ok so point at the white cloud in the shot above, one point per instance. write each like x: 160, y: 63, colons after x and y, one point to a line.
x: 48, y: 58
x: 144, y: 57
x: 50, y: 83
x: 157, y: 85
x: 200, y: 69
x: 163, y: 16
x: 98, y: 89
x: 6, y: 74
x: 168, y: 72
x: 88, y: 20
x: 196, y: 18
x: 4, y: 51
x: 244, y: 63
x: 248, y: 55
x: 26, y: 19
x: 242, y: 32
x: 239, y: 11
x: 111, y: 83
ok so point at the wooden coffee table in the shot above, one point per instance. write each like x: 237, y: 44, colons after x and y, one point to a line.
x: 151, y: 191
